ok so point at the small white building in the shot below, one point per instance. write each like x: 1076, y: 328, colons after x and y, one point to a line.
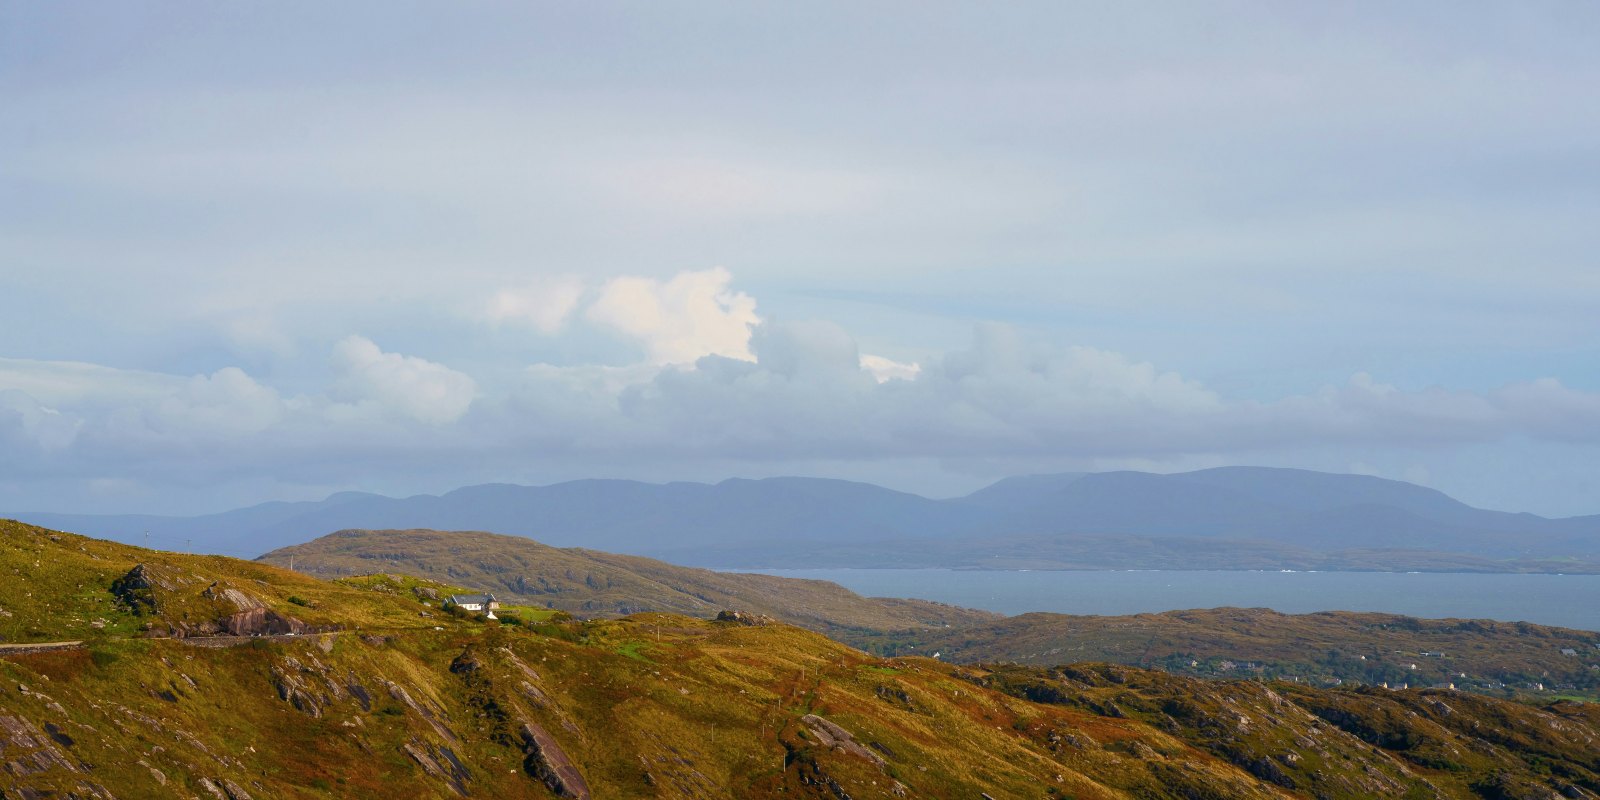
x: 474, y: 602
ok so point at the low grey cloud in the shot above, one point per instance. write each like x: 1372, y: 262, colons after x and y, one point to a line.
x: 802, y: 393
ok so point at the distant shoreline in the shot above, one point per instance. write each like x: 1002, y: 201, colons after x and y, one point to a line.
x: 1590, y: 572
x: 1557, y: 599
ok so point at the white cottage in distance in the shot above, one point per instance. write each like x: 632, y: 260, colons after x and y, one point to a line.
x: 474, y: 602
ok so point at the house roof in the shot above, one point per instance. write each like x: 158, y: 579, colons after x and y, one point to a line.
x: 471, y: 599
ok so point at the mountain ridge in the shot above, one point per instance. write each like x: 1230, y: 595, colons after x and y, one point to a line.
x: 776, y: 519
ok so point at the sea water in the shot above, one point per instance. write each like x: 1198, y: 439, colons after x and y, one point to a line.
x: 1570, y: 601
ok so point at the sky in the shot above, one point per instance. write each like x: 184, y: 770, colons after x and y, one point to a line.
x: 255, y: 251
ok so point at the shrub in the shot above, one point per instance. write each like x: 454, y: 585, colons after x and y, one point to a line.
x: 102, y: 657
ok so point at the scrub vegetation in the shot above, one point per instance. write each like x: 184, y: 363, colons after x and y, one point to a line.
x: 378, y: 693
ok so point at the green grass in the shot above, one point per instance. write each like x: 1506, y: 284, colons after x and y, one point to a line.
x: 634, y: 650
x: 66, y: 594
x: 1576, y: 697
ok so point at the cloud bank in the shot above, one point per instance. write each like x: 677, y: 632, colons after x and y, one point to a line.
x: 713, y: 381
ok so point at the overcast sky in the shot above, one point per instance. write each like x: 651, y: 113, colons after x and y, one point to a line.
x: 258, y: 251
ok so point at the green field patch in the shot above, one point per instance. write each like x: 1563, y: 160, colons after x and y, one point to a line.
x: 635, y: 651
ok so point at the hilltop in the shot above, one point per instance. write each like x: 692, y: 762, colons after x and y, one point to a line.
x: 1223, y: 518
x: 590, y: 582
x: 379, y: 699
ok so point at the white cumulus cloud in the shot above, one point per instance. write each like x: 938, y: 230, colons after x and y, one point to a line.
x: 414, y: 387
x: 886, y: 369
x: 544, y: 305
x: 224, y: 404
x: 679, y: 320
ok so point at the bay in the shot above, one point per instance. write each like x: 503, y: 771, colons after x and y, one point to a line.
x: 1570, y: 601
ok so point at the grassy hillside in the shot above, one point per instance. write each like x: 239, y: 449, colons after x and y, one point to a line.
x: 589, y: 582
x: 1324, y: 648
x: 1342, y: 743
x: 667, y: 706
x: 60, y: 588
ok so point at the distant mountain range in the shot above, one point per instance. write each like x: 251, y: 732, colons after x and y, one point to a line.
x: 1231, y: 517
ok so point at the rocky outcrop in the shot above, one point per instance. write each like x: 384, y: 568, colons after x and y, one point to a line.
x: 546, y: 761
x: 359, y: 692
x: 224, y: 789
x: 294, y: 691
x: 227, y: 594
x: 543, y: 757
x: 238, y: 613
x: 137, y: 589
x: 250, y: 617
x: 838, y: 739
x: 439, y: 762
x: 29, y: 753
x: 400, y: 695
x: 262, y: 622
x: 744, y: 618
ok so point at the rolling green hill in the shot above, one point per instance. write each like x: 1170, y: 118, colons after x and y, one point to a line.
x: 592, y: 583
x: 369, y: 697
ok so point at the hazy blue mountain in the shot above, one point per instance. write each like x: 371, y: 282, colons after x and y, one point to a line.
x: 1296, y: 507
x: 1021, y: 491
x: 779, y: 521
x: 1320, y: 491
x: 1137, y: 502
x: 627, y: 516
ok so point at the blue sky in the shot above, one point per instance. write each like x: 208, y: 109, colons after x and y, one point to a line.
x: 254, y: 252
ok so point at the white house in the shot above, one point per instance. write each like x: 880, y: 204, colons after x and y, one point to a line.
x: 474, y: 602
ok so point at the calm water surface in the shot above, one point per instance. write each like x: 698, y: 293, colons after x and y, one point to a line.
x: 1571, y: 601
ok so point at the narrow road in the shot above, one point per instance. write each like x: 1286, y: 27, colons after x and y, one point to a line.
x: 235, y: 641
x: 27, y: 648
x: 37, y: 647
